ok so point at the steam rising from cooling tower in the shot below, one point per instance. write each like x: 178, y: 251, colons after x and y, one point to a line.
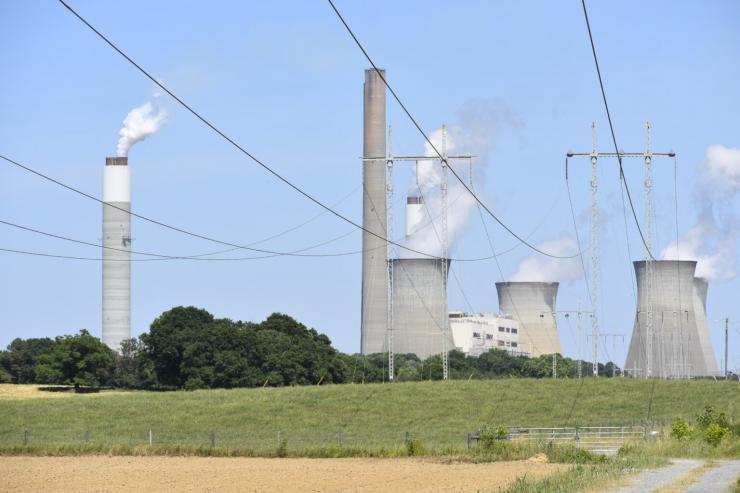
x: 713, y: 238
x: 547, y: 269
x: 479, y: 126
x: 140, y: 123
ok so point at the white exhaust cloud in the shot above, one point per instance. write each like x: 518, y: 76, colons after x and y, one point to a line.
x: 480, y: 122
x: 712, y: 240
x: 545, y: 269
x: 140, y: 123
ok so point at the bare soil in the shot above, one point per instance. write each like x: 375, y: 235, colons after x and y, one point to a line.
x: 26, y: 391
x: 154, y: 474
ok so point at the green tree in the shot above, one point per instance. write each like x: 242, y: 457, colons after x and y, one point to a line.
x: 77, y: 360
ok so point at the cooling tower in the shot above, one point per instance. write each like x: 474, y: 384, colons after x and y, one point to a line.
x: 116, y: 254
x: 420, y: 320
x: 679, y: 344
x: 533, y: 305
x: 701, y: 286
x: 374, y: 258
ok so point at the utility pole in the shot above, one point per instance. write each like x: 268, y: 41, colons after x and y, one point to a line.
x: 578, y: 330
x: 727, y: 323
x: 647, y: 155
x: 567, y: 314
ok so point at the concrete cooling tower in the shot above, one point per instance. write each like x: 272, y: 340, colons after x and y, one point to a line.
x: 374, y: 257
x: 116, y: 254
x: 533, y: 305
x: 679, y: 345
x: 701, y: 286
x: 420, y: 320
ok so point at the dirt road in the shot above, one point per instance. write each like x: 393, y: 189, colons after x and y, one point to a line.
x: 154, y: 474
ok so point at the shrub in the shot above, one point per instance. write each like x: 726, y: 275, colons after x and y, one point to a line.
x: 282, y: 448
x: 415, y: 447
x: 490, y: 437
x: 680, y: 429
x: 715, y: 433
x: 711, y: 416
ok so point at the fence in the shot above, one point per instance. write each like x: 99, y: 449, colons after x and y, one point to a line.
x: 605, y: 440
x: 243, y: 443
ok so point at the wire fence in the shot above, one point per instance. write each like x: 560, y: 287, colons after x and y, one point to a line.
x: 304, y: 441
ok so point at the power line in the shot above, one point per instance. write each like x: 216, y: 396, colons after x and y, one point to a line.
x: 234, y: 246
x: 296, y: 253
x: 241, y: 149
x: 611, y: 128
x: 426, y: 138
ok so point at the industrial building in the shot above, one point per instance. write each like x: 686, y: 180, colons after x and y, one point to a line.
x: 374, y: 310
x: 477, y: 333
x: 670, y: 337
x: 116, y: 252
x: 420, y: 322
x: 533, y: 305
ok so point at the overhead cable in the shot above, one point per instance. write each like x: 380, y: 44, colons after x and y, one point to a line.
x: 434, y: 148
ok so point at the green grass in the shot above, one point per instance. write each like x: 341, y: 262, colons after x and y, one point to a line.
x: 370, y: 418
x: 581, y: 477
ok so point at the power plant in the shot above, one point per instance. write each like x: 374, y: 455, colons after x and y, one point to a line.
x: 116, y: 252
x: 533, y: 304
x: 672, y: 339
x: 374, y: 311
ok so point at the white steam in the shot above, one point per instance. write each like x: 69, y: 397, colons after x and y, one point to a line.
x: 713, y: 238
x: 480, y: 123
x: 139, y: 124
x: 545, y: 269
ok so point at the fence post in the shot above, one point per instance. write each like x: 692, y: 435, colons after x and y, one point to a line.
x: 150, y: 437
x: 213, y: 439
x: 278, y: 438
x: 407, y: 437
x: 25, y: 438
x: 341, y: 439
x: 578, y: 437
x: 469, y: 444
x: 87, y: 436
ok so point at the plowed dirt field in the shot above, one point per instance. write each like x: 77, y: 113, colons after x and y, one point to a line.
x: 155, y: 474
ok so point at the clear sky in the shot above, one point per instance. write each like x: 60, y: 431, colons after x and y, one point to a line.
x: 285, y: 80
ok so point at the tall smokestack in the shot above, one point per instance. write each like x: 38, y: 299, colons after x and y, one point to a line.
x: 117, y: 254
x: 374, y: 257
x: 414, y: 213
x: 533, y: 304
x: 678, y: 346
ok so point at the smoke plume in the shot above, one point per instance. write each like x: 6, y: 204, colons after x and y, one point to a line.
x: 139, y: 124
x: 480, y: 122
x: 546, y: 269
x: 712, y: 240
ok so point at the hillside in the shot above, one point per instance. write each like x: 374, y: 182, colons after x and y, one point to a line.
x: 440, y: 414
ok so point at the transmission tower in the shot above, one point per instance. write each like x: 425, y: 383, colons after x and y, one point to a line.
x: 649, y: 281
x: 389, y: 253
x: 445, y: 253
x: 594, y: 250
x: 647, y: 156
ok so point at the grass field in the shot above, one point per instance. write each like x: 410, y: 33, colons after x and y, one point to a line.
x: 438, y: 414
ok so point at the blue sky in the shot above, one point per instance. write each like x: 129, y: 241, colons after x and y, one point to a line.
x: 285, y: 80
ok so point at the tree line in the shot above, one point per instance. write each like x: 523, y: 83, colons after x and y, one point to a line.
x: 188, y: 348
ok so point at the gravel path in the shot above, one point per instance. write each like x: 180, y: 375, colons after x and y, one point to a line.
x: 717, y: 479
x: 654, y: 479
